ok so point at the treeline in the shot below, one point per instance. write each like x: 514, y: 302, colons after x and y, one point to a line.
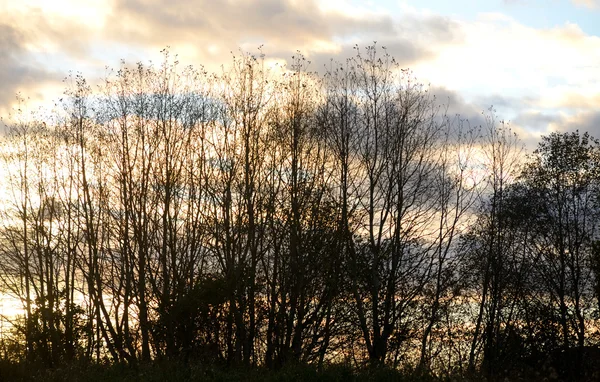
x: 264, y: 216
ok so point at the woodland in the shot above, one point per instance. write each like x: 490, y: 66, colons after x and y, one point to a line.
x: 284, y: 222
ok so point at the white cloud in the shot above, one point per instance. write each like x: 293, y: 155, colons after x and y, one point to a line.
x: 592, y: 4
x: 501, y: 56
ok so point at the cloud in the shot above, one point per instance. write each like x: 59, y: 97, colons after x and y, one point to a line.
x: 538, y: 79
x: 319, y: 31
x: 40, y: 43
x: 532, y: 124
x: 528, y: 74
x: 55, y: 37
x: 18, y: 71
x: 290, y: 21
x: 505, y: 56
x: 230, y: 24
x: 455, y: 105
x: 592, y: 4
x: 585, y: 121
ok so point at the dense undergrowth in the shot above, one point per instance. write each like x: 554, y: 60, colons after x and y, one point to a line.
x: 179, y: 370
x: 190, y: 371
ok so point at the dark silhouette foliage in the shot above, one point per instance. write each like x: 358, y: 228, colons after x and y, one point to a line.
x: 275, y: 223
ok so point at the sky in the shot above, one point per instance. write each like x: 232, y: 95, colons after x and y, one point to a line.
x: 537, y: 62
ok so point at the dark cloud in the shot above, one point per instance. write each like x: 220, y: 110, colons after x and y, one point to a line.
x: 533, y: 123
x: 274, y: 20
x: 456, y: 105
x: 207, y: 31
x: 588, y: 121
x: 404, y: 52
x: 17, y: 70
x: 528, y: 125
x: 409, y: 40
x: 282, y: 26
x: 507, y: 102
x: 433, y: 28
x: 546, y: 122
x: 536, y: 120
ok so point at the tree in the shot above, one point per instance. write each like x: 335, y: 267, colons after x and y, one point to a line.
x: 563, y: 177
x: 387, y: 139
x: 493, y: 247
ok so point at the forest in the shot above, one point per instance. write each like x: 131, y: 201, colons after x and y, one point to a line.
x: 268, y: 217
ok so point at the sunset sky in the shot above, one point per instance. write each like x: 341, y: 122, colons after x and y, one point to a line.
x: 536, y: 61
